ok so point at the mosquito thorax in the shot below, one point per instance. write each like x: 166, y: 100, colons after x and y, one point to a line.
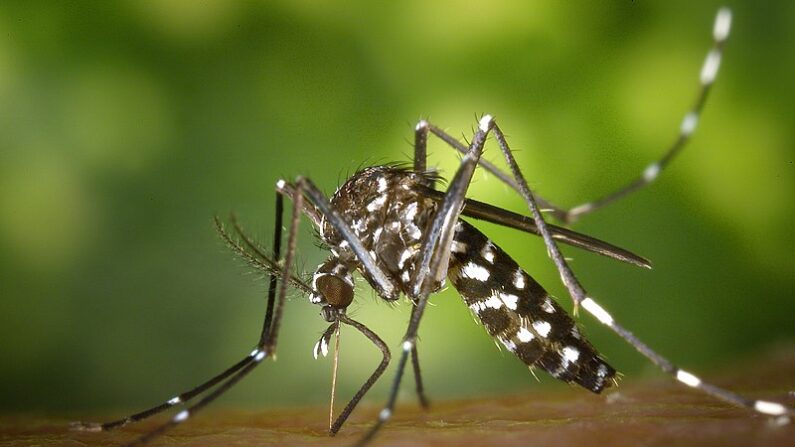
x: 386, y: 209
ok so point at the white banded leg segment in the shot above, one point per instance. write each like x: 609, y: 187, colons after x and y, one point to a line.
x: 486, y: 123
x: 710, y: 68
x: 93, y: 427
x: 257, y: 354
x: 651, y: 172
x: 597, y: 311
x: 782, y: 412
x: 707, y: 75
x: 174, y: 401
x: 720, y: 32
x: 581, y: 209
x: 181, y: 416
x: 723, y: 23
x: 687, y: 378
x: 689, y: 123
x: 771, y: 408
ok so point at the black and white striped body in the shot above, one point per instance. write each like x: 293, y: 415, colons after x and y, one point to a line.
x: 386, y: 209
x: 518, y: 312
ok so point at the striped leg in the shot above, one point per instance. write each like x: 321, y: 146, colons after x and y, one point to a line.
x: 433, y: 262
x: 181, y: 398
x: 581, y: 298
x: 709, y: 72
x: 322, y: 348
x: 386, y: 357
x: 250, y: 362
x: 420, y: 145
x: 266, y: 346
x: 264, y: 263
x: 685, y: 377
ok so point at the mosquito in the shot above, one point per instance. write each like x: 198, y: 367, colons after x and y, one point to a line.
x: 393, y: 227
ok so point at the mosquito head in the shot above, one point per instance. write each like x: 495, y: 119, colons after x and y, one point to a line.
x: 336, y: 291
x: 332, y: 287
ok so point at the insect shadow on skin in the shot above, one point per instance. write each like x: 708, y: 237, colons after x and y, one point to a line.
x: 390, y: 224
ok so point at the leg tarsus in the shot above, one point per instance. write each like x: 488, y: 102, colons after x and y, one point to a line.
x: 230, y: 377
x: 415, y: 362
x: 379, y: 370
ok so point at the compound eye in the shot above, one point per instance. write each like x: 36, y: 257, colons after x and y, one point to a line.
x: 338, y: 292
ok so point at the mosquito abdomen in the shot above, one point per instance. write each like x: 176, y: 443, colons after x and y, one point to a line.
x: 518, y: 312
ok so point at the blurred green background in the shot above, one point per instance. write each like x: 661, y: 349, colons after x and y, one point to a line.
x: 125, y: 126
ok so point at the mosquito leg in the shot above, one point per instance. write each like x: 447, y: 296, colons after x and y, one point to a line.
x: 277, y: 243
x: 386, y: 357
x: 268, y: 340
x: 567, y: 275
x: 415, y: 363
x: 276, y: 253
x: 270, y: 334
x: 190, y: 394
x: 436, y: 248
x: 557, y: 212
x: 421, y: 146
x: 193, y: 392
x: 266, y: 347
x: 433, y: 262
x: 420, y: 165
x: 580, y: 297
x: 384, y: 285
x: 760, y: 406
x: 183, y: 415
x: 177, y: 400
x: 709, y: 72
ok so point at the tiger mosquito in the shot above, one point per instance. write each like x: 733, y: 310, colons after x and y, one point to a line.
x: 391, y: 225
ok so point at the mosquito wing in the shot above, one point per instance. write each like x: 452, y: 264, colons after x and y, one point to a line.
x: 500, y: 216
